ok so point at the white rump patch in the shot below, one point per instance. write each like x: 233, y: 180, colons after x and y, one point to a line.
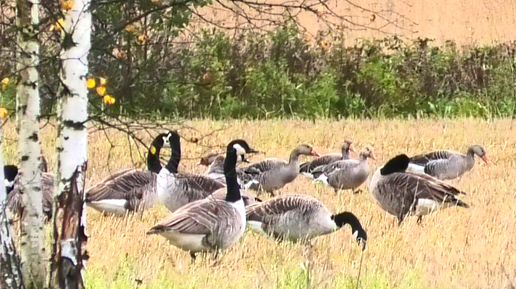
x: 308, y: 175
x: 426, y: 206
x: 322, y: 178
x: 256, y: 226
x: 187, y: 242
x: 112, y: 206
x: 250, y: 184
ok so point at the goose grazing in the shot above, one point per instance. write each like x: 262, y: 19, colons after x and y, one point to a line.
x: 345, y: 174
x: 299, y: 217
x: 130, y: 190
x: 401, y: 193
x: 445, y: 164
x: 178, y: 189
x: 208, y: 225
x: 273, y: 174
x: 307, y: 168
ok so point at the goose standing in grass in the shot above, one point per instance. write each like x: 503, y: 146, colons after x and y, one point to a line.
x: 299, y: 218
x: 401, y: 193
x: 307, y: 168
x: 273, y: 174
x: 446, y: 164
x: 130, y: 190
x: 14, y: 198
x: 178, y: 189
x: 208, y: 225
x: 345, y: 174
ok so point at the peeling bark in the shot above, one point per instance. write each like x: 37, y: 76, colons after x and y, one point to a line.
x: 32, y: 248
x: 10, y: 266
x: 69, y: 218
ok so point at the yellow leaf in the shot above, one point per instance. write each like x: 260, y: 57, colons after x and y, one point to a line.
x: 67, y: 5
x: 101, y: 90
x: 130, y: 28
x: 112, y: 100
x: 60, y: 23
x: 142, y: 38
x: 108, y: 99
x: 320, y: 11
x: 5, y: 81
x: 90, y: 83
x: 153, y: 150
x: 3, y: 113
x: 103, y: 81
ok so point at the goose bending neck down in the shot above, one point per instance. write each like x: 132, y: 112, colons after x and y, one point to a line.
x: 299, y: 218
x: 307, y: 167
x: 130, y: 190
x: 401, y: 193
x: 208, y: 225
x: 273, y: 174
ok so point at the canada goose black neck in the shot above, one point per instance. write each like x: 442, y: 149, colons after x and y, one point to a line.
x: 233, y: 189
x: 398, y: 164
x: 153, y: 163
x: 348, y: 218
x: 175, y: 157
x: 10, y: 173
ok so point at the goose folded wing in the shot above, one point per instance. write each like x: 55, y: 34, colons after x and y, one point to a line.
x: 198, y: 183
x: 423, y: 159
x: 267, y: 211
x: 123, y: 186
x: 320, y: 161
x: 263, y: 166
x: 339, y: 165
x: 423, y: 187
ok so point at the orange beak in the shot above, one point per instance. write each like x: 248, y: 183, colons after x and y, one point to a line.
x: 315, y: 154
x: 352, y: 148
x: 484, y: 158
x: 373, y: 156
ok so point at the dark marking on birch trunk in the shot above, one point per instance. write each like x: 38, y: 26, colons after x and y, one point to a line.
x: 24, y: 158
x: 33, y: 137
x: 75, y: 125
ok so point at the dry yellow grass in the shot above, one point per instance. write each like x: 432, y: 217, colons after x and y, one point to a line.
x: 454, y: 248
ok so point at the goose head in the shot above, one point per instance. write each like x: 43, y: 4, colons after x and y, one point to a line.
x: 347, y: 146
x: 305, y: 149
x: 358, y: 231
x: 479, y: 151
x: 367, y: 152
x: 10, y: 173
x: 242, y: 148
x: 397, y: 164
x: 161, y: 141
x: 208, y: 159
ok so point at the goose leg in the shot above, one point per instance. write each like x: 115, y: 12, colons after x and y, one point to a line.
x: 192, y: 254
x: 419, y: 220
x: 272, y: 194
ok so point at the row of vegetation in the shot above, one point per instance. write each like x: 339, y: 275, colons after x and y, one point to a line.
x: 286, y: 74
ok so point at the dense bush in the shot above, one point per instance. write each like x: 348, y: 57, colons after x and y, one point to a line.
x: 284, y: 74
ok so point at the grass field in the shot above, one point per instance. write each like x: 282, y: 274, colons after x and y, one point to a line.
x: 453, y: 248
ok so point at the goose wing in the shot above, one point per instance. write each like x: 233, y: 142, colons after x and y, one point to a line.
x: 263, y: 166
x: 15, y: 202
x: 271, y: 210
x: 339, y: 165
x: 124, y: 185
x: 423, y: 159
x: 200, y: 217
x: 197, y: 184
x: 320, y: 161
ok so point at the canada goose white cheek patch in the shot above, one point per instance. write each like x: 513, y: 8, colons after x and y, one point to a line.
x: 8, y: 183
x: 239, y: 149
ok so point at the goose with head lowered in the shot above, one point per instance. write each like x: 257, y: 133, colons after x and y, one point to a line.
x: 273, y: 174
x: 446, y: 164
x: 130, y: 190
x: 345, y: 174
x: 401, y: 193
x: 208, y: 225
x: 176, y: 189
x: 307, y: 168
x: 299, y: 218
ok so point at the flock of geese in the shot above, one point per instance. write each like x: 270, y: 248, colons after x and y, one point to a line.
x: 209, y: 212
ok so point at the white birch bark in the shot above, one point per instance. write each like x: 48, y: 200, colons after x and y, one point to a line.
x: 29, y: 152
x: 10, y: 271
x: 72, y: 146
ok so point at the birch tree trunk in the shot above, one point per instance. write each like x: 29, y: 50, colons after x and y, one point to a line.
x: 69, y: 211
x: 29, y: 152
x: 10, y: 271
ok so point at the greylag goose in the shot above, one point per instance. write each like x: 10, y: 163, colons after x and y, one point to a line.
x: 209, y: 224
x: 401, y: 193
x: 345, y: 174
x: 177, y: 189
x: 273, y: 174
x: 446, y: 164
x: 307, y: 168
x: 130, y: 190
x: 299, y: 217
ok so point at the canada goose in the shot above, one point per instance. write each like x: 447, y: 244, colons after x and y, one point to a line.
x: 445, y: 164
x: 299, y: 217
x: 209, y: 224
x: 401, y: 193
x: 216, y: 162
x: 10, y: 173
x: 130, y: 190
x: 178, y: 189
x: 15, y: 202
x: 345, y: 174
x: 273, y: 174
x: 307, y: 168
